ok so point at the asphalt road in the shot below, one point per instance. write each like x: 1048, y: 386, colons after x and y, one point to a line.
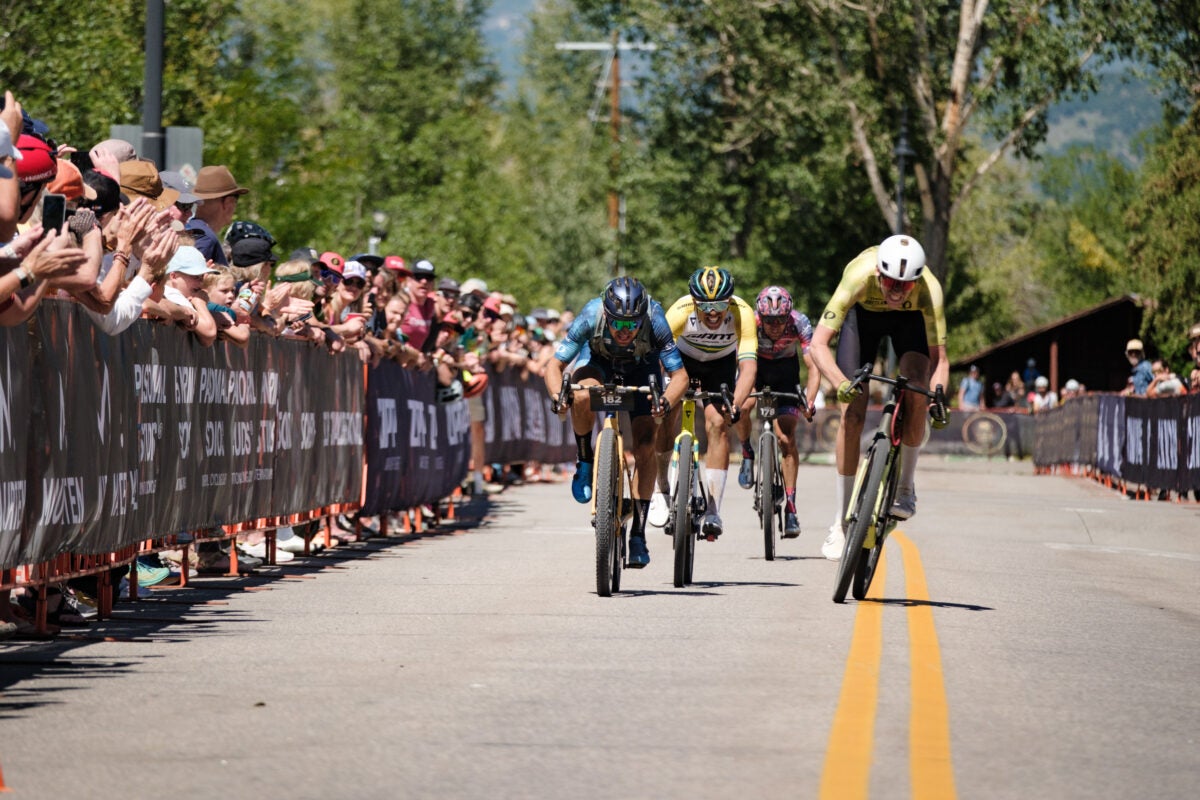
x: 1033, y: 637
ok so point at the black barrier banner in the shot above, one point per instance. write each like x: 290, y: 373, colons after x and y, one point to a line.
x: 1152, y: 441
x: 148, y: 433
x: 520, y: 425
x: 417, y: 449
x: 15, y: 410
x: 1110, y: 435
x: 1068, y: 434
x: 1189, y: 461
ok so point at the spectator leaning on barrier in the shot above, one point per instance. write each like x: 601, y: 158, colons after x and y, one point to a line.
x: 423, y: 310
x: 1165, y: 383
x: 218, y: 193
x: 1043, y: 399
x: 184, y: 291
x: 1072, y: 388
x: 1193, y: 369
x: 1141, y: 375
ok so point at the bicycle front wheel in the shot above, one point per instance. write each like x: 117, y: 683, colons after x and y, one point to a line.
x: 862, y: 514
x: 767, y: 505
x: 685, y: 541
x: 607, y: 494
x: 883, y: 521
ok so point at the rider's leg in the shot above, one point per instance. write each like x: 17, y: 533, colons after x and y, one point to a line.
x: 915, y: 367
x: 583, y: 420
x: 785, y: 431
x: 849, y: 435
x: 743, y: 429
x: 716, y: 462
x: 643, y: 431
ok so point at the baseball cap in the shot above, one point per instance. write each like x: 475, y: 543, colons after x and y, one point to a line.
x: 121, y: 149
x: 1041, y: 381
x: 1071, y: 385
x: 305, y: 254
x: 474, y: 286
x: 189, y: 261
x: 37, y: 163
x: 396, y: 264
x: 447, y: 285
x: 250, y: 251
x: 354, y: 269
x: 333, y: 261
x: 368, y: 260
x: 7, y: 148
x: 69, y: 182
x: 173, y: 180
x: 1134, y: 344
x: 1194, y: 332
x: 140, y: 179
x: 423, y: 268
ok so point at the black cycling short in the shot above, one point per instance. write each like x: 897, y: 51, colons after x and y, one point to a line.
x: 782, y: 375
x: 863, y: 331
x: 711, y: 374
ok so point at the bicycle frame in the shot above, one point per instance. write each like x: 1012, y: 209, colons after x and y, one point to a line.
x: 611, y: 474
x: 690, y: 503
x: 768, y: 479
x: 869, y: 519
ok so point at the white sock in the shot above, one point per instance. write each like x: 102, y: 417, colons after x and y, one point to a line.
x: 716, y: 488
x: 842, y: 491
x: 908, y: 468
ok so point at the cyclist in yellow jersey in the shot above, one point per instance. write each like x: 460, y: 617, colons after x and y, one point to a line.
x: 884, y: 291
x: 716, y: 334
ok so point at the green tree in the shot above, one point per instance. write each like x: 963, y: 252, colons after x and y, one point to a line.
x: 1165, y: 242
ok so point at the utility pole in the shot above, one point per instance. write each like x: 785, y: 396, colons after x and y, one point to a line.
x: 152, y: 132
x: 616, y: 203
x: 901, y: 152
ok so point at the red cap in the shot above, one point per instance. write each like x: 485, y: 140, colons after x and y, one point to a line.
x: 396, y: 264
x: 37, y: 164
x: 333, y: 261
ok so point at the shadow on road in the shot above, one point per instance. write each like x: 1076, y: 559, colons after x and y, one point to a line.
x: 905, y: 602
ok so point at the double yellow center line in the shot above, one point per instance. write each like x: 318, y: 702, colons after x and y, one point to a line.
x: 847, y: 771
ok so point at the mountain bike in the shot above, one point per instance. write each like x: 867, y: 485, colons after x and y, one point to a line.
x: 768, y: 477
x: 689, y: 497
x: 870, y: 519
x: 610, y: 507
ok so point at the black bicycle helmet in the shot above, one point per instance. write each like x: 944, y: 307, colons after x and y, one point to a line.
x: 711, y: 284
x: 244, y: 229
x: 625, y: 298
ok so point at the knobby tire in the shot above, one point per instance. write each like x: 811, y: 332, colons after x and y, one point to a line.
x: 870, y: 558
x: 684, y: 539
x: 766, y: 488
x: 608, y: 511
x: 862, y: 516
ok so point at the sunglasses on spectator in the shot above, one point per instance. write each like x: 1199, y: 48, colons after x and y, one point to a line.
x: 356, y: 283
x: 714, y: 307
x: 449, y: 294
x: 423, y: 278
x: 468, y: 316
x: 625, y: 325
x: 896, y: 285
x: 331, y: 277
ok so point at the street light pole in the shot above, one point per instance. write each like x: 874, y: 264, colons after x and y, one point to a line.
x: 152, y: 132
x: 901, y: 152
x: 616, y: 203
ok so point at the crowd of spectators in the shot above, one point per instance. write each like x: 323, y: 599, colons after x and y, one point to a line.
x: 102, y: 227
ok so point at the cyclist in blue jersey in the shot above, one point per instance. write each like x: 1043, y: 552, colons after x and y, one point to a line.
x: 624, y: 334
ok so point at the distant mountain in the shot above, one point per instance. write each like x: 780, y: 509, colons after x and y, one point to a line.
x: 504, y: 31
x: 1111, y: 120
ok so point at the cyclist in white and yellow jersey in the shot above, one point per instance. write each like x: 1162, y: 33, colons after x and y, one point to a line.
x: 884, y: 291
x: 717, y: 337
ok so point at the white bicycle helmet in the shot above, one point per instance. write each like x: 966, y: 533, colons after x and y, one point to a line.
x: 901, y: 258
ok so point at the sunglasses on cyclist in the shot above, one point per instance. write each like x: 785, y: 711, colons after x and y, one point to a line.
x: 895, y: 285
x: 714, y: 307
x: 774, y: 320
x: 625, y: 325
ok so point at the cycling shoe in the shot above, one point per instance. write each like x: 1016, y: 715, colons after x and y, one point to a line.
x: 581, y: 484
